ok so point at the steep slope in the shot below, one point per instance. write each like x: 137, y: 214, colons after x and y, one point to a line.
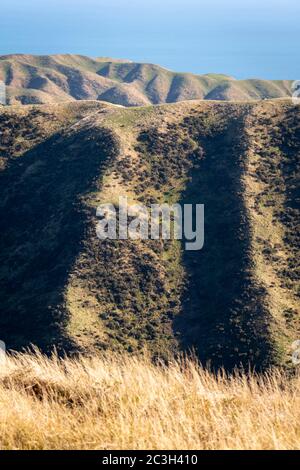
x: 56, y: 78
x: 273, y: 200
x: 235, y: 301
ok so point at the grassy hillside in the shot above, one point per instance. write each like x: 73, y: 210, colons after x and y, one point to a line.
x: 56, y: 78
x: 236, y: 301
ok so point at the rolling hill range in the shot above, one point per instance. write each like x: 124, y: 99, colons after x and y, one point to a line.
x: 235, y: 301
x: 56, y: 78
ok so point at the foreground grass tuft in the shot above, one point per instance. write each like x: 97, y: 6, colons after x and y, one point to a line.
x: 114, y: 402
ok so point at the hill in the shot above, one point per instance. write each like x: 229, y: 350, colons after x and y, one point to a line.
x: 56, y: 78
x: 236, y: 301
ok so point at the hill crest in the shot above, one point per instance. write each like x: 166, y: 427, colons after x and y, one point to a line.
x: 45, y: 79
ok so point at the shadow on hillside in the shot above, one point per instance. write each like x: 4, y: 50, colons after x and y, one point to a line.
x: 43, y: 223
x: 223, y: 317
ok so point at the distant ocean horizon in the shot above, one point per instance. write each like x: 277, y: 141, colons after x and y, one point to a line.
x: 249, y: 39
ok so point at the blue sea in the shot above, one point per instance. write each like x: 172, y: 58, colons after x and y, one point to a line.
x: 245, y: 39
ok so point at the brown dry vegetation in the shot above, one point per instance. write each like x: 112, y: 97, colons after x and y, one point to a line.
x: 114, y: 402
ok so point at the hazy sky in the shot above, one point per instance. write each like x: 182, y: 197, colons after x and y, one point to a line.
x: 245, y: 38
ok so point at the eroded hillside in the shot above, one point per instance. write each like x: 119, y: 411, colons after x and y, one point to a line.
x: 31, y: 79
x: 235, y: 301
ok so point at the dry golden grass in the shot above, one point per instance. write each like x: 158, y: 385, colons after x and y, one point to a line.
x: 128, y: 403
